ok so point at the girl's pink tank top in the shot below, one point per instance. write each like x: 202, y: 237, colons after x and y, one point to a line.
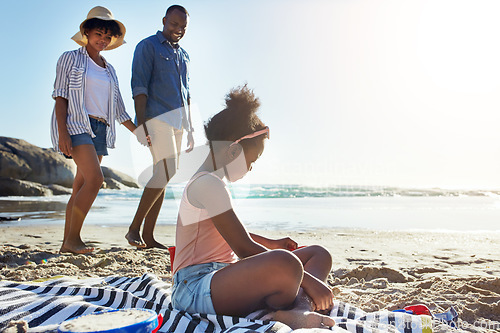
x: 197, y: 241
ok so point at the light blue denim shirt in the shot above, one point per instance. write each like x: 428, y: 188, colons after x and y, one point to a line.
x: 161, y: 72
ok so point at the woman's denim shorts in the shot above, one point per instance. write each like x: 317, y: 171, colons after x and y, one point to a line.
x: 191, y: 288
x: 99, y: 142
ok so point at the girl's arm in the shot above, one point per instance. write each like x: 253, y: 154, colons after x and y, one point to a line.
x: 61, y: 115
x: 235, y: 234
x: 245, y: 245
x: 284, y: 243
x: 210, y: 193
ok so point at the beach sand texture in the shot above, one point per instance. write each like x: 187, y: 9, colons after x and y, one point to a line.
x: 372, y: 269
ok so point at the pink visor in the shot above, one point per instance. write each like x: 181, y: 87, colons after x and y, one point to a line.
x: 253, y: 135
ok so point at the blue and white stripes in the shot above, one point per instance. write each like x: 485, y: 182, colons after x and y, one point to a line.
x: 70, y: 84
x: 46, y: 304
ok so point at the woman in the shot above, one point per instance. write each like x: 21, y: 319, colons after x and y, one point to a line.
x: 87, y: 103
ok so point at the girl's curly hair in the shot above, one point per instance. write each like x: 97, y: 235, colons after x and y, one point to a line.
x: 108, y: 26
x: 238, y: 119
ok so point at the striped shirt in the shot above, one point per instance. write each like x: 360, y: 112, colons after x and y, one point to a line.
x: 71, y: 73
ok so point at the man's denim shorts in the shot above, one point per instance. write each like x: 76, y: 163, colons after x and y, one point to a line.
x: 191, y: 288
x: 99, y: 142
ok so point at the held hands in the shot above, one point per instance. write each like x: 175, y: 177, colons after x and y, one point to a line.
x: 143, y: 138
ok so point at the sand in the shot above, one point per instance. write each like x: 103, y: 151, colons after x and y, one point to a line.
x: 372, y: 269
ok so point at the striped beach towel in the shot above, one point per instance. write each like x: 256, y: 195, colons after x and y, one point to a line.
x: 45, y: 304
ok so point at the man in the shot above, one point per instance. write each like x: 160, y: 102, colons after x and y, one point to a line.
x: 160, y: 88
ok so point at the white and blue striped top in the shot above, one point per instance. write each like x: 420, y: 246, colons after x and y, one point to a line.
x: 71, y: 73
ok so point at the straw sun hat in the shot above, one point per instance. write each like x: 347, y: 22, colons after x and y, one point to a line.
x: 105, y: 14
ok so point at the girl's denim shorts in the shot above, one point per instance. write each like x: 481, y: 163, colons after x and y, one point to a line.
x: 99, y: 142
x: 191, y: 288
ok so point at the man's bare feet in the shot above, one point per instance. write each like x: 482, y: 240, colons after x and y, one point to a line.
x: 155, y: 244
x: 76, y: 248
x: 134, y: 239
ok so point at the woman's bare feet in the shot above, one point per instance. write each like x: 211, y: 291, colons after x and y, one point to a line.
x: 76, y: 248
x: 134, y: 239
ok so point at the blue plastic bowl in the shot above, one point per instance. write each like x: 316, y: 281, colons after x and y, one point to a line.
x: 144, y: 326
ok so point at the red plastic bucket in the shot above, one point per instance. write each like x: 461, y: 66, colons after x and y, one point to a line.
x: 171, y: 250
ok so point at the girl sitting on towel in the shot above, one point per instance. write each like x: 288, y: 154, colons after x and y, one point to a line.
x: 221, y: 268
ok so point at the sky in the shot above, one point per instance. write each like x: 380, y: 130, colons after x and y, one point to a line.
x: 355, y: 92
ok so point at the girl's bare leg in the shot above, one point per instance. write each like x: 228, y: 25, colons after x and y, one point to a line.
x: 268, y: 280
x: 88, y: 164
x: 318, y: 262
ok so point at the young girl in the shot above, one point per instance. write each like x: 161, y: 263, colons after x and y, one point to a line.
x: 208, y: 276
x: 87, y: 103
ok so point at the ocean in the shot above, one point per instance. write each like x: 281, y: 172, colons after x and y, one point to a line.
x: 294, y: 207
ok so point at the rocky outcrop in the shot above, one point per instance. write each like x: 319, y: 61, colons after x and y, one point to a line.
x: 15, y: 187
x: 25, y: 161
x: 112, y: 184
x: 118, y: 176
x: 28, y: 170
x: 58, y: 189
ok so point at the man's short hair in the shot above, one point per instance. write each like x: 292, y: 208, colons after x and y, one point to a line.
x: 176, y: 7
